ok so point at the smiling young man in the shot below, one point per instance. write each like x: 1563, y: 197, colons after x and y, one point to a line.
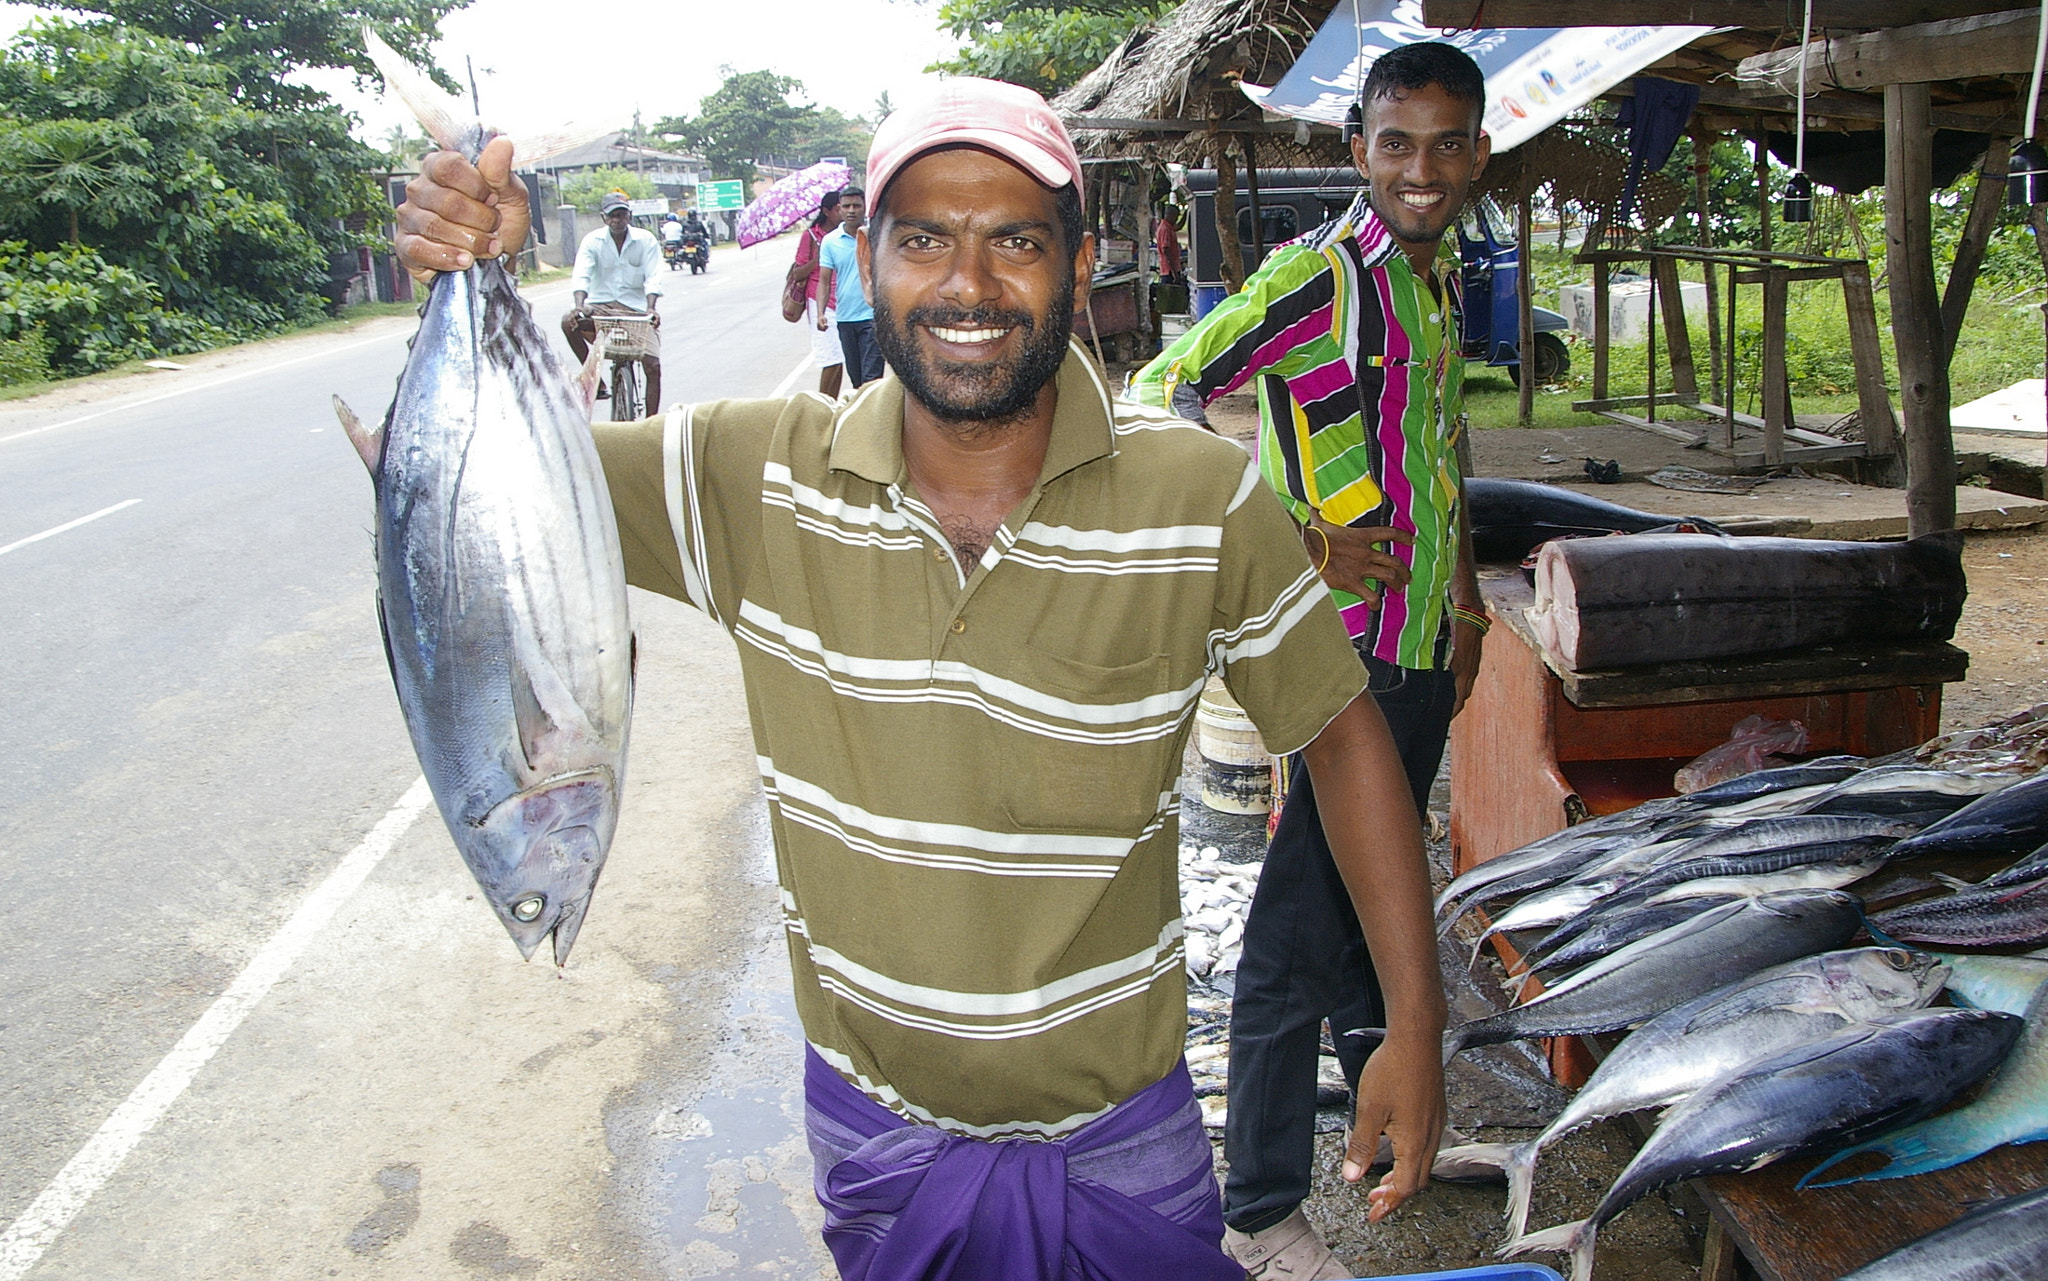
x: 975, y: 606
x: 1351, y: 333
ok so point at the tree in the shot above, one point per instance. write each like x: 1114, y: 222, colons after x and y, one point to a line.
x: 747, y: 118
x: 587, y: 188
x: 257, y: 43
x: 1045, y: 45
x: 829, y: 133
x: 883, y: 108
x: 133, y: 144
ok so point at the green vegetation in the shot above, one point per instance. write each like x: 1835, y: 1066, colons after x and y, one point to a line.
x: 586, y: 189
x: 162, y: 189
x: 1045, y: 45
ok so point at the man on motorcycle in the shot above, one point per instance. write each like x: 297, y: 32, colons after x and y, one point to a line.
x: 672, y: 235
x: 618, y: 273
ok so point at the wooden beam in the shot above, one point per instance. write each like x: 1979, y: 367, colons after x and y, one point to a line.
x: 1985, y: 202
x: 1525, y: 312
x: 1828, y: 107
x: 1125, y: 124
x: 1985, y: 44
x: 1916, y: 311
x: 1857, y: 15
x: 1226, y: 216
x: 1873, y: 397
x: 1684, y: 378
x: 1776, y: 393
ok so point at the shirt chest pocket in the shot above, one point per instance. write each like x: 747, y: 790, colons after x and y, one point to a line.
x: 1093, y: 754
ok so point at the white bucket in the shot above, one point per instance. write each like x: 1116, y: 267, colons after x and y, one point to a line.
x: 1238, y: 771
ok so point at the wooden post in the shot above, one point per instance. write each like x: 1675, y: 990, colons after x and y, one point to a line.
x: 1873, y: 399
x: 1985, y: 202
x: 1775, y: 398
x: 1685, y: 379
x: 1148, y: 270
x: 1232, y: 257
x: 1525, y: 310
x: 1728, y: 407
x: 2037, y: 218
x: 1916, y: 311
x: 1702, y: 153
x: 1600, y: 327
x: 1650, y: 364
x: 1251, y: 186
x: 1763, y: 190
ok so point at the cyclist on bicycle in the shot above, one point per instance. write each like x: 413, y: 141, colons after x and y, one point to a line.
x: 618, y: 273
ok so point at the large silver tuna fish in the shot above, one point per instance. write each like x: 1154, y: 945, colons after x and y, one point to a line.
x: 500, y: 587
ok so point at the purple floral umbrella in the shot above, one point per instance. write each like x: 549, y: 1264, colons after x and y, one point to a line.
x: 790, y: 201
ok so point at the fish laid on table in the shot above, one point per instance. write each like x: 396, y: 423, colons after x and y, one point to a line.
x: 2009, y: 822
x: 1665, y: 598
x: 1652, y: 974
x: 1613, y: 924
x: 2031, y: 868
x: 2011, y: 1108
x: 1992, y: 982
x: 1511, y: 518
x: 2010, y: 915
x: 500, y: 586
x: 2003, y: 1240
x: 1691, y: 1045
x: 1869, y: 1074
x: 1825, y: 770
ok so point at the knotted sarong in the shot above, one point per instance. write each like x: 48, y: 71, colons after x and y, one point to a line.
x: 1130, y: 1196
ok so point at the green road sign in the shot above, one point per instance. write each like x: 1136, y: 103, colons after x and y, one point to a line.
x: 722, y: 195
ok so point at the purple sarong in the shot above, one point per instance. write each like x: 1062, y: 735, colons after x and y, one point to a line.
x: 1130, y: 1196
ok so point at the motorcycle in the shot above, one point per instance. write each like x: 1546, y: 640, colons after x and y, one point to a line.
x: 673, y: 251
x: 697, y: 252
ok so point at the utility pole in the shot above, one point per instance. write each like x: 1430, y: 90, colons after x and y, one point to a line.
x: 475, y: 104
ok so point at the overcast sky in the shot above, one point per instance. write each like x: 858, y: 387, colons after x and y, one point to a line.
x: 543, y: 65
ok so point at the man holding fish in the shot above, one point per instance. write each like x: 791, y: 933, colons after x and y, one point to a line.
x: 975, y: 606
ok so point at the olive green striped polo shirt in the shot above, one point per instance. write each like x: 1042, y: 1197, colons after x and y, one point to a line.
x: 972, y: 779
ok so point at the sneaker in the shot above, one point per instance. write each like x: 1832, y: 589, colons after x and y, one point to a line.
x: 1290, y: 1250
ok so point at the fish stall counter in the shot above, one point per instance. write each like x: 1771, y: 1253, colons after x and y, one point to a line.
x: 1544, y: 744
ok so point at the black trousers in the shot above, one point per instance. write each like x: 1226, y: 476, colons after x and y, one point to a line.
x: 1304, y: 961
x: 863, y: 357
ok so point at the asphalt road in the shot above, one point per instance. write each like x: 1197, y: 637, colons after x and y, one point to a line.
x: 221, y: 886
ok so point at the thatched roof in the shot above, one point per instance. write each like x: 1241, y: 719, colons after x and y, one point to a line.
x: 1187, y: 67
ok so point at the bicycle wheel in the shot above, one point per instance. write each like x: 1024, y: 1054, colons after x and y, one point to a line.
x: 627, y: 401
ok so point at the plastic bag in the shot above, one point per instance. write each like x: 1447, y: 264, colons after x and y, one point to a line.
x: 1756, y: 742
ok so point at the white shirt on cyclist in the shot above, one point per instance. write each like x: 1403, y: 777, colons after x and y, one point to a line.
x: 627, y: 273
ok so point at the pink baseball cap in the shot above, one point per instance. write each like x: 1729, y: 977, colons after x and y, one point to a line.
x: 1008, y: 119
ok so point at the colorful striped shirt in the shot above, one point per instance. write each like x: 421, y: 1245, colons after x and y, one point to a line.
x: 1360, y: 389
x: 973, y: 778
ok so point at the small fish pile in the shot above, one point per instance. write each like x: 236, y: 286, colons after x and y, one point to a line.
x: 1215, y: 897
x: 1713, y: 925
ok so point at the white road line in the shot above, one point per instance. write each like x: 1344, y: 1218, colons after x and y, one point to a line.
x: 782, y: 388
x: 69, y: 524
x: 271, y: 367
x: 52, y: 1211
x: 261, y: 368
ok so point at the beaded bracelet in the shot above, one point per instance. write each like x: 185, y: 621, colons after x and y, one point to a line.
x: 1473, y: 617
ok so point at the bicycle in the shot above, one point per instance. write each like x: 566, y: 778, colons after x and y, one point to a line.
x: 624, y: 340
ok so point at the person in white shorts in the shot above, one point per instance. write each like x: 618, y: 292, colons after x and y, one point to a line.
x: 826, y: 348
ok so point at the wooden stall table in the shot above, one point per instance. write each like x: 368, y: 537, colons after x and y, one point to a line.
x: 1536, y: 749
x: 1539, y: 748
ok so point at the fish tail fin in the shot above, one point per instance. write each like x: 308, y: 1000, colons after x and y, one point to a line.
x: 1520, y: 1167
x: 1575, y: 1239
x: 1916, y: 1149
x: 440, y: 113
x: 1454, y: 1040
x: 369, y: 441
x: 1954, y: 882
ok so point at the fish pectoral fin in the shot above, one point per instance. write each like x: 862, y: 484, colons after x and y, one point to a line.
x: 544, y: 706
x: 536, y: 727
x: 369, y: 441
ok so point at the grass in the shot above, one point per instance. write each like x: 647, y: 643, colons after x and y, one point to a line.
x: 2001, y: 343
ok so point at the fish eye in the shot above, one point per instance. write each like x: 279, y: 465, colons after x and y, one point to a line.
x: 1898, y: 958
x: 528, y: 908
